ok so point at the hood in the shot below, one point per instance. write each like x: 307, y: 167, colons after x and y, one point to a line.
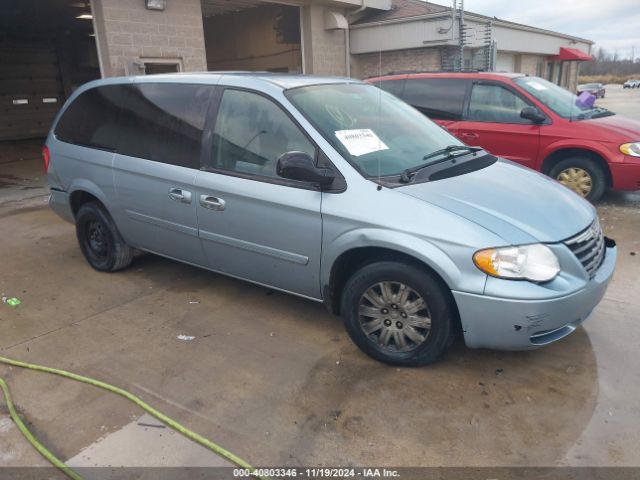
x: 625, y: 127
x: 514, y: 202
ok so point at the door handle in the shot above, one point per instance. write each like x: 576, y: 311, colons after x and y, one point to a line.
x: 180, y: 195
x: 212, y: 203
x: 469, y: 135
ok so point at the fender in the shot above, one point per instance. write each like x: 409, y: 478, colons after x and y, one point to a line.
x: 589, y: 145
x: 425, y: 251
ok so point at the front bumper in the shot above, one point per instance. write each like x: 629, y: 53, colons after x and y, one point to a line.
x: 625, y: 176
x: 508, y: 324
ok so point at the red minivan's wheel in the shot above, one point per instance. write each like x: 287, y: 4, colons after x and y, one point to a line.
x: 582, y: 175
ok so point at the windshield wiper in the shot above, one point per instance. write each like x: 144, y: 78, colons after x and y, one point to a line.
x: 447, y: 152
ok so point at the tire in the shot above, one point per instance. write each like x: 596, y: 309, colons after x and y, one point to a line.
x: 397, y: 326
x: 570, y: 171
x: 99, y: 239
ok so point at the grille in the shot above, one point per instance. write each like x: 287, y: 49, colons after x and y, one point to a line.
x: 588, y: 246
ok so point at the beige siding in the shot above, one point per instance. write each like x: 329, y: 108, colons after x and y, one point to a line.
x: 128, y: 32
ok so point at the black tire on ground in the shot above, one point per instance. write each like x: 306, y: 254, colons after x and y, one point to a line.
x: 591, y: 167
x: 99, y: 239
x: 439, y: 309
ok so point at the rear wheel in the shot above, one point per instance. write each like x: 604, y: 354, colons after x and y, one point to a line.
x: 582, y: 175
x: 99, y: 239
x: 398, y: 313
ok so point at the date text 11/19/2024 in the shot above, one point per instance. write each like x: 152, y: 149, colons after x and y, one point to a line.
x: 316, y: 473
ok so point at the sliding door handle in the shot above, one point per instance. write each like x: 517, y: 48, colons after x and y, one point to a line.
x: 179, y: 195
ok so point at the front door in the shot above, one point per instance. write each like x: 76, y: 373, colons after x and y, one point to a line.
x: 493, y: 122
x: 253, y: 224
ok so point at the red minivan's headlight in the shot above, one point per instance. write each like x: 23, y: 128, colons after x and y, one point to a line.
x: 631, y: 149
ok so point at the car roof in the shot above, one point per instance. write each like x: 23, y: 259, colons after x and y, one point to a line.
x: 472, y: 75
x: 282, y: 80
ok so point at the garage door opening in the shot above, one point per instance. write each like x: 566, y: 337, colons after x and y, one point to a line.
x: 252, y: 35
x: 47, y: 50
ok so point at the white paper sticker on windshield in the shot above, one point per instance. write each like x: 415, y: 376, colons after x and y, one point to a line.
x: 536, y: 85
x: 360, y: 142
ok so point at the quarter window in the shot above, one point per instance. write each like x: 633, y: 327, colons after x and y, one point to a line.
x: 164, y: 122
x: 251, y: 133
x: 91, y: 120
x: 496, y: 104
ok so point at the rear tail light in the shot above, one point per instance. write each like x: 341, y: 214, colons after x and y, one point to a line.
x: 46, y: 157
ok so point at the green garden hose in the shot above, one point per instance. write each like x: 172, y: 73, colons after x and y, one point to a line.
x: 199, y: 439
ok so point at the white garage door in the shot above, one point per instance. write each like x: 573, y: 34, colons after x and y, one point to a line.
x: 505, y: 62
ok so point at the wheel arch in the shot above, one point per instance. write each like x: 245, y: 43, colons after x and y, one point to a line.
x: 355, y: 258
x: 561, y: 153
x: 82, y: 192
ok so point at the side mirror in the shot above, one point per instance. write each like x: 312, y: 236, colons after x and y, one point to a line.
x: 300, y: 166
x: 533, y: 114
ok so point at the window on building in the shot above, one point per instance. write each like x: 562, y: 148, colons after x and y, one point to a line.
x: 439, y: 98
x: 493, y: 103
x: 164, y: 122
x: 251, y: 133
x: 91, y: 119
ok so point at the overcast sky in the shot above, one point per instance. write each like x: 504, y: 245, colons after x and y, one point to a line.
x: 612, y: 24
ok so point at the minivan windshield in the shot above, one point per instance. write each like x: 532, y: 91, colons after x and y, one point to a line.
x: 561, y: 101
x: 378, y: 133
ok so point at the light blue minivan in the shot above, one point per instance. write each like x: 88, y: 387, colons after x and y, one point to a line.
x: 333, y: 190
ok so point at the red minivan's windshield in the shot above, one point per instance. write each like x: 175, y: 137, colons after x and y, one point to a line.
x: 561, y: 101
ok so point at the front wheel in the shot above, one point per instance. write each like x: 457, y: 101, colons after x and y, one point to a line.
x: 398, y: 313
x: 582, y: 175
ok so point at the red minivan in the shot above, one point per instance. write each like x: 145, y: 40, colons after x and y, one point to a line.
x: 530, y: 121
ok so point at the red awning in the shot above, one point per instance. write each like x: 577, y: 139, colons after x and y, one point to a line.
x: 572, y: 54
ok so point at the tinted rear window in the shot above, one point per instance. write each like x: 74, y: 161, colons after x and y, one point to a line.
x: 394, y: 87
x: 164, y: 122
x: 91, y: 120
x: 440, y: 98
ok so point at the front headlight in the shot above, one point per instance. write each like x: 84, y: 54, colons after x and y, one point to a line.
x: 631, y: 149
x: 526, y: 262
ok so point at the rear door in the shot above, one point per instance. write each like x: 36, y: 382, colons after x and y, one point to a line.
x: 440, y: 99
x: 254, y: 224
x: 157, y: 159
x: 493, y: 122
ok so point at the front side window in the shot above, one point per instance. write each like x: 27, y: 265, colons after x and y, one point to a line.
x: 561, y: 101
x: 164, y: 122
x: 251, y: 133
x: 378, y: 133
x: 494, y: 103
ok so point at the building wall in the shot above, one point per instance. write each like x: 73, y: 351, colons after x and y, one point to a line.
x: 127, y: 32
x: 325, y: 51
x: 228, y: 47
x: 416, y: 59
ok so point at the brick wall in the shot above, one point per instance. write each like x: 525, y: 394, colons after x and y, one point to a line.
x: 418, y: 59
x: 527, y: 63
x: 324, y: 50
x: 128, y: 32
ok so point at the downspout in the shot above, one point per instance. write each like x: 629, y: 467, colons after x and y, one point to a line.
x: 347, y: 47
